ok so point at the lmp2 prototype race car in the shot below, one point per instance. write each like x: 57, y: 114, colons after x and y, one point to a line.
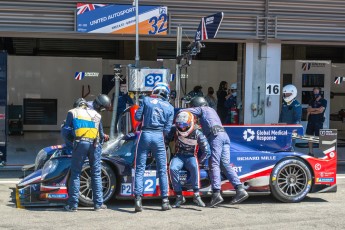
x: 262, y: 156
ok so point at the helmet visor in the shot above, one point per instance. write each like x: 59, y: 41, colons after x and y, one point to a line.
x: 182, y: 126
x: 287, y: 94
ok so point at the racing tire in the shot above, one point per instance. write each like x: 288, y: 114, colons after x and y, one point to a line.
x: 290, y: 180
x: 108, y: 183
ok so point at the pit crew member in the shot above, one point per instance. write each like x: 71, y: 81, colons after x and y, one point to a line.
x: 189, y: 140
x: 220, y: 151
x: 156, y: 115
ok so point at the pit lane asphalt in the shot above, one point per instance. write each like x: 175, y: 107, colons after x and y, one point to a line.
x: 317, y: 211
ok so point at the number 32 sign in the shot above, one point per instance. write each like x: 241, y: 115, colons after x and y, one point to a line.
x: 152, y: 78
x: 272, y: 89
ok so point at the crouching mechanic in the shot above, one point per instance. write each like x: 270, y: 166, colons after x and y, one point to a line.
x: 220, y: 151
x: 189, y: 138
x: 156, y: 115
x: 86, y: 126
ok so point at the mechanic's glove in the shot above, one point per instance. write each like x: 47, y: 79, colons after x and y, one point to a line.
x: 129, y: 136
x: 106, y: 137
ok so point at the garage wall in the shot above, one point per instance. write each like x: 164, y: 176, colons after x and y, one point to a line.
x: 53, y: 78
x: 50, y: 78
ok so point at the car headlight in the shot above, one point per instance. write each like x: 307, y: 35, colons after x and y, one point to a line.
x: 49, y: 167
x: 41, y: 158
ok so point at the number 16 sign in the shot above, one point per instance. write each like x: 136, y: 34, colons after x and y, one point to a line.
x: 272, y: 89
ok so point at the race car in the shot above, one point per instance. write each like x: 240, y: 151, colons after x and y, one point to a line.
x: 262, y: 156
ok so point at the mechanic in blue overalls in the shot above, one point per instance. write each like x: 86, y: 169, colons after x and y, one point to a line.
x: 156, y: 115
x: 189, y: 140
x: 220, y: 151
x: 67, y: 131
x: 86, y: 124
x: 291, y: 112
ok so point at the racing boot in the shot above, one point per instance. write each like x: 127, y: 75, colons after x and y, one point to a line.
x: 165, y: 204
x: 138, y: 204
x: 240, y: 196
x: 179, y: 200
x: 216, y: 199
x: 197, y: 199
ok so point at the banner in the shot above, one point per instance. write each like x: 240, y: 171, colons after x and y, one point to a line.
x: 120, y: 19
x: 208, y: 27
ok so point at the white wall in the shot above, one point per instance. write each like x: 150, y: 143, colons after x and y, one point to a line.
x: 53, y: 78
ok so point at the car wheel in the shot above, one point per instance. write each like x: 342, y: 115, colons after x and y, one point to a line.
x: 290, y: 180
x: 108, y: 183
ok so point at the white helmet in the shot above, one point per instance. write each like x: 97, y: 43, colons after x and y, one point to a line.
x: 161, y: 90
x: 233, y: 86
x: 184, y: 123
x: 289, y: 93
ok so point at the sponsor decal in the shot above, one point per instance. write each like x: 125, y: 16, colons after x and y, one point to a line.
x: 2, y: 116
x: 257, y: 158
x: 248, y: 135
x: 81, y: 75
x: 317, y: 167
x: 263, y: 135
x: 324, y: 179
x: 339, y: 80
x: 57, y: 196
x: 308, y: 65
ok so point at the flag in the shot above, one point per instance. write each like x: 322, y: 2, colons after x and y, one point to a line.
x: 83, y: 7
x: 208, y: 27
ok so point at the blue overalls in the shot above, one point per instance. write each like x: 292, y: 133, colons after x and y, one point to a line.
x: 157, y: 117
x: 292, y: 113
x: 186, y: 155
x: 86, y: 125
x: 228, y: 104
x: 220, y: 146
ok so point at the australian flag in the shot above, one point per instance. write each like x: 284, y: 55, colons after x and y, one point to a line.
x: 79, y: 76
x: 83, y: 7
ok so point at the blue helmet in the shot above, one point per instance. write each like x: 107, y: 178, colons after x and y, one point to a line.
x: 161, y: 90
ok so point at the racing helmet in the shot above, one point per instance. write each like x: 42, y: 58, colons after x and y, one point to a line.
x: 289, y: 93
x: 184, y: 123
x: 102, y: 102
x: 79, y: 102
x: 161, y: 90
x: 198, y: 101
x: 233, y: 86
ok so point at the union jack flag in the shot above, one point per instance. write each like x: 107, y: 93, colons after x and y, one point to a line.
x: 79, y: 76
x: 83, y: 7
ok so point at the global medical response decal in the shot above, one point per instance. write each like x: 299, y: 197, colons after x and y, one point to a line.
x: 120, y: 19
x: 262, y: 138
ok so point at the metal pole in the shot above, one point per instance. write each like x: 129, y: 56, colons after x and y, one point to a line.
x: 137, y: 57
x: 178, y: 74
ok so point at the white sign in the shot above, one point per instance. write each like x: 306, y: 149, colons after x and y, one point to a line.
x: 272, y: 89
